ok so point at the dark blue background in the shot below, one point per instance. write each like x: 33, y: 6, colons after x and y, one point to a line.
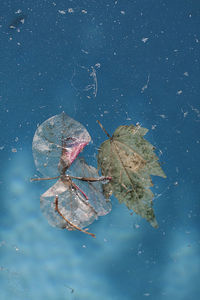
x: 146, y: 57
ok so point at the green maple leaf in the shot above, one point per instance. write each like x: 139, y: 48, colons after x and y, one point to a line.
x: 130, y: 160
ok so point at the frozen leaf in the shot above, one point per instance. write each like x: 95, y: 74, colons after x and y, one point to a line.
x: 80, y: 202
x: 56, y: 144
x: 130, y: 160
x: 77, y: 198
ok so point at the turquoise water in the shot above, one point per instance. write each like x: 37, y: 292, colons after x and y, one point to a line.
x: 122, y: 63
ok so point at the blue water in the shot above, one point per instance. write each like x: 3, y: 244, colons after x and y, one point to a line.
x: 121, y: 62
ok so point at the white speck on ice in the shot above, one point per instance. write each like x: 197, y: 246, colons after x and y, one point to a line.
x: 184, y: 113
x: 62, y: 12
x: 18, y: 11
x: 84, y: 51
x: 97, y: 65
x: 153, y: 127
x: 144, y: 40
x: 179, y: 92
x: 162, y: 116
x: 70, y: 10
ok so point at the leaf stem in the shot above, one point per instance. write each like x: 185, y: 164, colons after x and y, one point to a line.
x: 68, y: 222
x: 39, y: 179
x: 103, y: 129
